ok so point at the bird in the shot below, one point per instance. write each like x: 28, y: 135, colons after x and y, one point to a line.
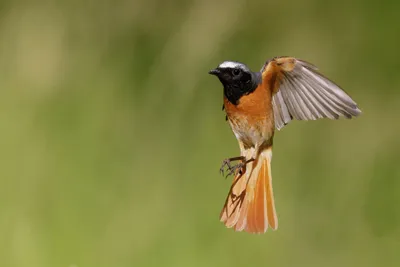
x: 256, y: 104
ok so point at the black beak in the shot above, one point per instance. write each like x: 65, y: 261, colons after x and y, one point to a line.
x: 214, y: 72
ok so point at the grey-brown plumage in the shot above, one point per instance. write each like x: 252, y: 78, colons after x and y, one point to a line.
x: 305, y: 94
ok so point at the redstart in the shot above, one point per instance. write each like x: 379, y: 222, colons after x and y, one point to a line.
x: 257, y: 103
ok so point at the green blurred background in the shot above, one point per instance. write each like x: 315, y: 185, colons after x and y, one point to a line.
x: 112, y: 134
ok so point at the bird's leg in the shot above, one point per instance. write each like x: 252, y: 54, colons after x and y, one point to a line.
x: 232, y: 169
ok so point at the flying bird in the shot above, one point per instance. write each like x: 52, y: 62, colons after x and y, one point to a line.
x: 257, y: 103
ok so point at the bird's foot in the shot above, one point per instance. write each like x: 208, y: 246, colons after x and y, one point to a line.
x: 233, y: 169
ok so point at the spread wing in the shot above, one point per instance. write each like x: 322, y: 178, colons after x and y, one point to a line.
x: 301, y: 92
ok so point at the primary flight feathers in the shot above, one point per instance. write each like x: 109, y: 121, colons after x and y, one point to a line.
x: 305, y: 94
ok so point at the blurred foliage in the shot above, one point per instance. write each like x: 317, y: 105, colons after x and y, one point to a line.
x: 112, y: 134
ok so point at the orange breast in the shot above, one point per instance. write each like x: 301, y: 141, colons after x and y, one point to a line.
x: 252, y: 119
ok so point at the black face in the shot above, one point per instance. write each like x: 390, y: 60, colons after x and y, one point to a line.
x: 237, y: 81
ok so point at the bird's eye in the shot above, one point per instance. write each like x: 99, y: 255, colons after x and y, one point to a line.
x: 236, y: 72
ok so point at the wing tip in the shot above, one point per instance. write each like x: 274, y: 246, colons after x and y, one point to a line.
x: 355, y: 113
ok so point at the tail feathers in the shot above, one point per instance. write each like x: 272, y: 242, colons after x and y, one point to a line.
x: 250, y: 203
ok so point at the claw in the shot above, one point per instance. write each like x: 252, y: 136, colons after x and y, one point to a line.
x: 227, y: 163
x: 232, y: 169
x: 240, y: 167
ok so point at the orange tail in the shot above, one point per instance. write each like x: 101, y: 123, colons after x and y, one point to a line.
x: 250, y: 204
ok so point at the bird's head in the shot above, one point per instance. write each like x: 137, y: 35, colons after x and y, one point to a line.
x: 236, y: 78
x: 232, y: 73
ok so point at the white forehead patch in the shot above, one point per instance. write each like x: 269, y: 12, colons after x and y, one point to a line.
x: 231, y: 64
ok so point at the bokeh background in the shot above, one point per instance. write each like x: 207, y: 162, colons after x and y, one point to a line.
x: 112, y: 134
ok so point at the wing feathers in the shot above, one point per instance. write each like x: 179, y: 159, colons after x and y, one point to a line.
x: 305, y: 94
